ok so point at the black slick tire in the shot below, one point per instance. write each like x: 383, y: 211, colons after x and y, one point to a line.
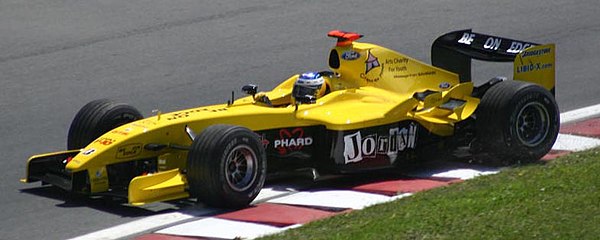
x: 516, y: 122
x: 96, y: 118
x: 226, y: 166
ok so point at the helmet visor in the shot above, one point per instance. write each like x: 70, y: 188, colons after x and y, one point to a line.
x: 301, y: 91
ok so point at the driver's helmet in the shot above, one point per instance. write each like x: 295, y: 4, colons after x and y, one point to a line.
x: 309, y: 85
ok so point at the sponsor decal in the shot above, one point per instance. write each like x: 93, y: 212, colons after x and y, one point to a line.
x: 444, y: 85
x: 105, y: 141
x: 396, y: 64
x: 533, y: 67
x: 371, y: 63
x: 492, y: 43
x: 467, y: 38
x: 185, y: 114
x: 98, y: 179
x: 89, y: 151
x: 517, y: 47
x: 139, y: 125
x: 144, y: 123
x: 537, y: 52
x: 358, y: 146
x: 129, y: 150
x: 350, y: 55
x: 290, y: 141
x: 397, y: 61
x: 122, y: 133
x: 179, y: 115
x: 411, y: 75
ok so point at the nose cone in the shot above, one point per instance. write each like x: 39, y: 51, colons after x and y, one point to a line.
x: 120, y: 144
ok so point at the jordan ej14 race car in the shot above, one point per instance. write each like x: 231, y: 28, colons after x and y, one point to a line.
x: 375, y: 108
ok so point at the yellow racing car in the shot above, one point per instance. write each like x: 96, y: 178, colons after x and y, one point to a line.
x: 375, y: 108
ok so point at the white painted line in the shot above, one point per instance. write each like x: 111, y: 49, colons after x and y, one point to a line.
x: 221, y: 228
x: 464, y: 174
x: 400, y: 196
x: 269, y: 193
x: 157, y: 221
x: 458, y: 173
x: 274, y: 191
x: 575, y: 143
x: 333, y: 199
x: 135, y: 227
x: 580, y: 114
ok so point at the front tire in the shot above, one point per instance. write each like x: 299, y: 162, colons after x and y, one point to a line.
x: 226, y: 166
x: 96, y: 118
x: 517, y: 122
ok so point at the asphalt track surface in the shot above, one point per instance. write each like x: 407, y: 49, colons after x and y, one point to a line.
x: 55, y: 56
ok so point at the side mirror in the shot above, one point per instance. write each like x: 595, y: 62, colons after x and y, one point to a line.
x: 250, y: 89
x: 306, y: 99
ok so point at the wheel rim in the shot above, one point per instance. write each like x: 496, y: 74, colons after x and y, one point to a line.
x: 240, y: 168
x: 533, y: 123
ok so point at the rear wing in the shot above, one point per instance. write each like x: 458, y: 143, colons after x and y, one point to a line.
x: 533, y: 62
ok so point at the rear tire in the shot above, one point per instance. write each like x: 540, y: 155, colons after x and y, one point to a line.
x: 96, y: 118
x: 517, y: 122
x: 226, y: 166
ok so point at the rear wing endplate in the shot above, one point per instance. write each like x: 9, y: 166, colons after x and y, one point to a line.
x: 533, y: 62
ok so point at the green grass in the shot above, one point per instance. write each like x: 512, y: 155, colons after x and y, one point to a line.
x: 557, y: 200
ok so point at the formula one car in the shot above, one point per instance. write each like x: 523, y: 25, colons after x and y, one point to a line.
x: 375, y: 109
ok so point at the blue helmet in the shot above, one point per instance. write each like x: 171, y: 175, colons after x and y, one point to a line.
x: 309, y: 85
